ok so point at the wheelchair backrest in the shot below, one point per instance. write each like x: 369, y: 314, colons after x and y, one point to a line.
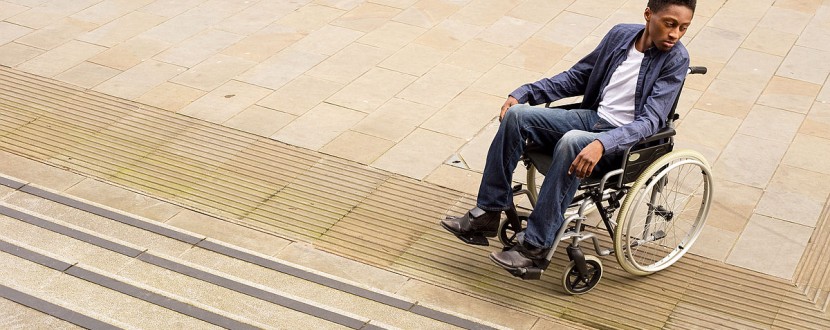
x: 637, y: 158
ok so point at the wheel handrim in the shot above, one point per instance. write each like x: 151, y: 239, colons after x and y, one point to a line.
x: 655, y: 245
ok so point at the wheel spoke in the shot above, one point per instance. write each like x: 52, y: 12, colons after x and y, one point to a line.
x: 660, y: 216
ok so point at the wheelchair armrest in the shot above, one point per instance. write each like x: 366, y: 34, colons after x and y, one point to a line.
x: 697, y: 70
x: 564, y: 106
x: 664, y: 133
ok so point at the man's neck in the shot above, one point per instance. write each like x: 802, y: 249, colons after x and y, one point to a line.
x: 643, y: 42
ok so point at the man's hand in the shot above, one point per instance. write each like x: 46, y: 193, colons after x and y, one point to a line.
x: 584, y: 163
x: 511, y: 101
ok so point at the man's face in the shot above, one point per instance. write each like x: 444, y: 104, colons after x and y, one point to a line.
x: 667, y: 26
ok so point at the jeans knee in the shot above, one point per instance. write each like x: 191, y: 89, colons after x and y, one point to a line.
x: 571, y: 138
x: 516, y: 113
x: 573, y: 141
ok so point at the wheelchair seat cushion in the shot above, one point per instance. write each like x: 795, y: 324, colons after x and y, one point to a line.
x: 539, y: 156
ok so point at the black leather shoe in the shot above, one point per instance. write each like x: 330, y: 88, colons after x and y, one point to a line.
x: 476, y: 222
x: 520, y: 256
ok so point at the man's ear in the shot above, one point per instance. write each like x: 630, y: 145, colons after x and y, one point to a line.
x: 647, y: 14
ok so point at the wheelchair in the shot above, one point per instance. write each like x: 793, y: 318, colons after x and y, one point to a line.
x: 661, y: 195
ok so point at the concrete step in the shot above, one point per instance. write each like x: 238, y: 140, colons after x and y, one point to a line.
x: 34, y: 277
x: 17, y: 315
x: 213, y: 277
x: 156, y: 285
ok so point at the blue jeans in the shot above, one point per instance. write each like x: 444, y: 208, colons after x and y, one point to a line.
x: 565, y: 132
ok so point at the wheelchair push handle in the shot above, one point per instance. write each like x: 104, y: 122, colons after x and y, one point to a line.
x: 697, y: 70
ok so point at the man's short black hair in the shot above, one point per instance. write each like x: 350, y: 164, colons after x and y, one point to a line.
x: 658, y: 5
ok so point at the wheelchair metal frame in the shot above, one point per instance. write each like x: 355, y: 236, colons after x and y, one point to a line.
x: 605, y: 194
x: 595, y: 194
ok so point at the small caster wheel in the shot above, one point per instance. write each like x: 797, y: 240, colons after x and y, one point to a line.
x: 508, y: 234
x: 574, y: 283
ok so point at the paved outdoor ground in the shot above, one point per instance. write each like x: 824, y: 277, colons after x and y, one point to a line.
x: 271, y: 197
x: 408, y: 86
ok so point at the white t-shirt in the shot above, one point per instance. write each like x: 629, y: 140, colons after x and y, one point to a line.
x: 617, y: 105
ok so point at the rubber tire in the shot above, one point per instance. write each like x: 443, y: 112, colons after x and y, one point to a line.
x: 593, y: 264
x: 633, y: 197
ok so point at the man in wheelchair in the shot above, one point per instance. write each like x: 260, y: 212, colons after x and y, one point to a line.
x: 629, y: 85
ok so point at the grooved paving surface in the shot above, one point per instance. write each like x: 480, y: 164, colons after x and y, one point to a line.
x: 369, y: 215
x: 813, y: 273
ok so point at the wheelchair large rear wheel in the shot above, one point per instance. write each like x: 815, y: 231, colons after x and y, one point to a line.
x: 663, y: 212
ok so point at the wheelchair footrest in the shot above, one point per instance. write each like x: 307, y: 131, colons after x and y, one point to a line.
x: 474, y: 239
x: 531, y: 273
x: 517, y: 188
